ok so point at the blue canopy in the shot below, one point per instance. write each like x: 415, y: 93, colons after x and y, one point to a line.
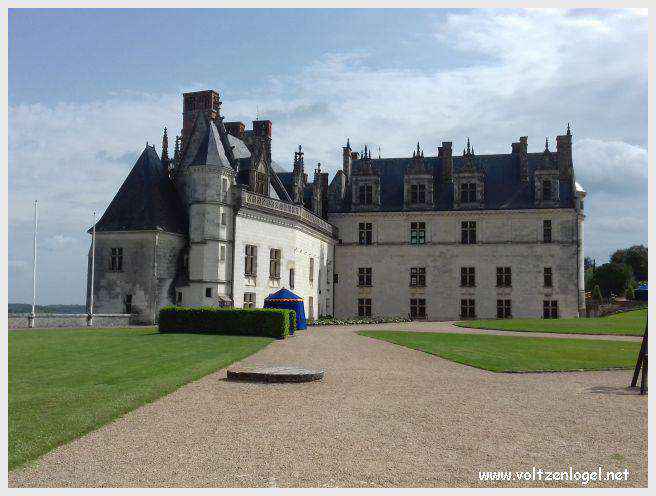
x: 641, y: 292
x: 285, y: 299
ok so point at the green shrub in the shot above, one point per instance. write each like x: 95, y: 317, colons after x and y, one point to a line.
x: 630, y: 293
x: 267, y: 322
x: 328, y: 320
x: 293, y: 325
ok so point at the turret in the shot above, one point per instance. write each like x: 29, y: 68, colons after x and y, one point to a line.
x: 347, y: 158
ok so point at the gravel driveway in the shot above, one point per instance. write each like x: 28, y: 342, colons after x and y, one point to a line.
x: 383, y: 416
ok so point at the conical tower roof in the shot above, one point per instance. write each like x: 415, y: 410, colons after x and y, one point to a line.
x: 146, y: 200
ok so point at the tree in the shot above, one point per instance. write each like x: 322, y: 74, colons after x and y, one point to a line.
x: 613, y: 278
x: 596, y: 293
x: 589, y: 263
x: 636, y: 257
x: 630, y: 292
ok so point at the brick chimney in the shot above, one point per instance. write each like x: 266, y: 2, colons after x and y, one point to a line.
x: 564, y: 153
x: 520, y: 150
x: 445, y: 154
x: 195, y: 103
x: 347, y: 158
x: 235, y: 129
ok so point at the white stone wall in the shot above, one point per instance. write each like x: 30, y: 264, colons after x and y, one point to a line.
x: 504, y: 239
x: 149, y: 283
x: 298, y: 244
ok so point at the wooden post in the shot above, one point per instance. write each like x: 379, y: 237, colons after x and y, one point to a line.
x: 641, y: 365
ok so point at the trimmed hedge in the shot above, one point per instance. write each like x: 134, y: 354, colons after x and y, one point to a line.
x: 266, y: 322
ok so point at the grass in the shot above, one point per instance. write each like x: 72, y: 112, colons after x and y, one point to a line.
x: 65, y: 383
x: 624, y: 324
x: 516, y: 353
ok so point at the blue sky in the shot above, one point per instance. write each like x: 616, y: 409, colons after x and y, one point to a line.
x: 88, y: 88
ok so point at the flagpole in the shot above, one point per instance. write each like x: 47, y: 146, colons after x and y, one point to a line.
x: 93, y: 269
x: 30, y: 320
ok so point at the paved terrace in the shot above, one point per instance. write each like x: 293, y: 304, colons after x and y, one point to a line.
x: 383, y: 416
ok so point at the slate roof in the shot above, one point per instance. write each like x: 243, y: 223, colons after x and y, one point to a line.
x: 146, y: 200
x: 503, y: 189
x: 205, y: 145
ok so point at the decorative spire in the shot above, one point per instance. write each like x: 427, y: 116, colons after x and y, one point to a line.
x: 378, y: 151
x: 165, y: 146
x: 318, y: 169
x: 348, y: 143
x: 468, y: 146
x: 546, y: 145
x: 176, y: 151
x: 298, y: 158
x: 569, y: 132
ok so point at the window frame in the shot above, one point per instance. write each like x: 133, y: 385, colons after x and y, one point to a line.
x: 364, y: 307
x: 250, y: 261
x: 468, y: 193
x: 365, y: 194
x: 249, y: 300
x: 467, y: 308
x: 504, y: 277
x: 127, y: 303
x: 418, y: 308
x: 116, y: 259
x: 365, y: 233
x: 468, y: 232
x: 550, y: 309
x: 504, y: 308
x: 418, y: 232
x: 275, y: 263
x: 547, y: 275
x: 418, y: 277
x: 468, y: 277
x: 365, y: 277
x: 547, y: 231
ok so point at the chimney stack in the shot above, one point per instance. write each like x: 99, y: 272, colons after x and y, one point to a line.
x: 520, y: 149
x: 445, y: 154
x: 564, y: 152
x: 195, y: 103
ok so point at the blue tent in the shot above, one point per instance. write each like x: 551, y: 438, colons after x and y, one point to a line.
x: 641, y: 292
x: 285, y: 299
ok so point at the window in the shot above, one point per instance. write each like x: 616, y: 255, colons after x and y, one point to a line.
x: 365, y: 194
x: 504, y: 277
x: 417, y: 193
x: 365, y: 233
x: 311, y: 270
x: 417, y: 308
x: 468, y: 231
x: 223, y: 218
x: 550, y: 309
x: 249, y: 300
x: 250, y: 266
x: 291, y: 278
x: 504, y: 309
x: 546, y: 231
x: 548, y: 277
x: 274, y: 264
x: 208, y: 292
x: 335, y: 278
x: 222, y: 253
x: 546, y: 190
x: 417, y: 233
x: 224, y: 189
x: 468, y: 277
x: 364, y: 276
x: 127, y: 303
x: 467, y: 308
x: 116, y: 260
x: 364, y: 307
x: 418, y: 276
x: 468, y: 193
x: 178, y: 297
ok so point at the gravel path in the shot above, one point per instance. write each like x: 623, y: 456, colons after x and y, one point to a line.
x: 384, y: 415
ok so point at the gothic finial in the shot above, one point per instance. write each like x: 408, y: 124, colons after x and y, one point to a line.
x: 165, y: 146
x: 348, y: 143
x: 176, y: 150
x: 318, y: 171
x: 468, y: 146
x: 418, y: 152
x: 378, y: 151
x: 569, y: 132
x: 300, y: 149
x: 546, y: 144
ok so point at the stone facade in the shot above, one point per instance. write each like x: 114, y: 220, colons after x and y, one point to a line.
x: 504, y: 239
x: 220, y: 225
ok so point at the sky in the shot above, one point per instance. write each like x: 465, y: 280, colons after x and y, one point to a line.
x: 89, y: 88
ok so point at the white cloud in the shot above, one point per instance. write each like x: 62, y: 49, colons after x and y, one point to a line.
x: 516, y: 73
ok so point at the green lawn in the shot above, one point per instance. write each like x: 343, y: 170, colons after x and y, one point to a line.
x: 65, y: 383
x: 516, y: 353
x: 626, y: 323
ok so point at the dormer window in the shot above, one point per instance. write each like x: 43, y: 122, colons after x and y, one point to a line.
x: 365, y: 194
x: 546, y: 190
x: 418, y: 193
x: 468, y: 193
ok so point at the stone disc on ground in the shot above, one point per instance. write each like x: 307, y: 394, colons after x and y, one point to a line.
x: 271, y: 373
